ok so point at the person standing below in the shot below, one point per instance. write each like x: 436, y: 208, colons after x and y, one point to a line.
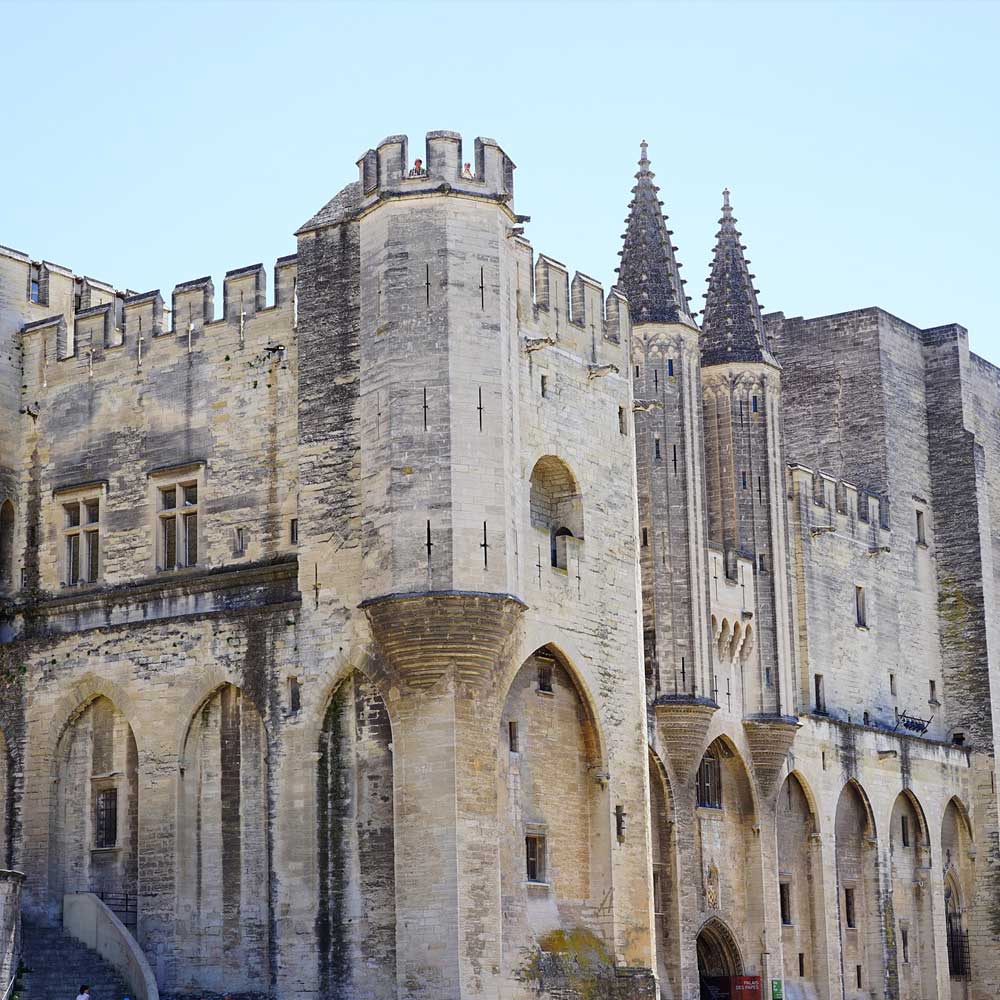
x: 84, y: 993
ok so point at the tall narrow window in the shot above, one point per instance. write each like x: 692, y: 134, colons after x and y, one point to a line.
x: 860, y: 610
x: 656, y: 448
x: 512, y: 739
x: 753, y: 404
x: 534, y: 851
x: 904, y: 830
x: 106, y: 819
x: 710, y: 782
x: 850, y: 916
x: 35, y: 283
x: 892, y: 685
x: 785, y: 900
x: 81, y: 540
x: 178, y: 525
x: 819, y: 693
x: 857, y: 974
x: 545, y: 385
x: 294, y: 695
x: 621, y: 420
x: 645, y: 537
x: 904, y: 940
x: 293, y: 531
x: 932, y: 692
x: 670, y: 367
x: 921, y: 530
x: 802, y: 965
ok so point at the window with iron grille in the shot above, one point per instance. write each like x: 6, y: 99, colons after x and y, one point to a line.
x: 106, y: 819
x: 958, y: 948
x: 710, y: 782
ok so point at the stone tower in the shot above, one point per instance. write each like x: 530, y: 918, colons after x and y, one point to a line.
x: 741, y: 384
x: 667, y: 387
x: 438, y: 360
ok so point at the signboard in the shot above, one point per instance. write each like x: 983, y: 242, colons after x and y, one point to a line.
x: 746, y: 988
x: 777, y: 989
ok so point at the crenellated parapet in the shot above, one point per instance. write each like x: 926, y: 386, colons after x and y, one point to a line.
x: 387, y: 171
x: 571, y: 313
x: 99, y: 326
x: 831, y: 505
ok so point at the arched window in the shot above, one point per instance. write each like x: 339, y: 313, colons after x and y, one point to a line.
x: 710, y: 781
x: 6, y: 546
x: 556, y: 507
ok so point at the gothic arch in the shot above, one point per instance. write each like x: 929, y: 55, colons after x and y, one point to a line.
x: 355, y: 842
x: 75, y: 701
x: 718, y: 950
x: 665, y: 882
x: 859, y: 901
x: 799, y: 884
x: 94, y: 808
x: 223, y: 856
x: 553, y: 808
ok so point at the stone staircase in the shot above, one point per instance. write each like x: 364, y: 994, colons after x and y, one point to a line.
x: 59, y: 964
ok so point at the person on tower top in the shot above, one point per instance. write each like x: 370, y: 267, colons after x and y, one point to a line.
x: 418, y: 168
x: 467, y: 172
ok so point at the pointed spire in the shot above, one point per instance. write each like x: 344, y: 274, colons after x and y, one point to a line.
x: 731, y: 325
x: 649, y: 273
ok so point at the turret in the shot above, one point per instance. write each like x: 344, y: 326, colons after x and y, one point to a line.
x: 741, y: 382
x: 667, y: 388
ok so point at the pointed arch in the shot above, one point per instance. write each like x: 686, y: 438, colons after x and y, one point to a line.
x: 94, y: 808
x: 223, y: 870
x: 355, y: 842
x: 665, y: 882
x: 719, y: 954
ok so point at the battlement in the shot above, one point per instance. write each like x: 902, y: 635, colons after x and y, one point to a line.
x: 572, y: 313
x: 387, y: 170
x: 840, y: 506
x: 99, y: 323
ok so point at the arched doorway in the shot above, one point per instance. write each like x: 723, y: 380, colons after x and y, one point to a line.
x: 719, y: 960
x: 664, y: 848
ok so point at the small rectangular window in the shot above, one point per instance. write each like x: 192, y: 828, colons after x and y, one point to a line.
x: 241, y: 540
x: 802, y: 965
x: 106, y: 819
x: 743, y: 474
x: 904, y: 830
x: 753, y: 404
x: 904, y: 940
x: 670, y: 367
x: 932, y: 689
x: 621, y: 421
x: 820, y: 694
x: 892, y: 685
x: 857, y: 973
x: 709, y: 782
x: 294, y: 695
x: 534, y: 851
x: 921, y: 531
x: 293, y: 531
x: 512, y: 737
x: 545, y: 385
x: 545, y: 678
x: 860, y: 611
x: 636, y: 371
x: 645, y: 538
x: 849, y: 914
x: 656, y: 448
x: 785, y: 899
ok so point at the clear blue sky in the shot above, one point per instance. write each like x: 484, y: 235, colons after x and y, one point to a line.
x: 146, y: 144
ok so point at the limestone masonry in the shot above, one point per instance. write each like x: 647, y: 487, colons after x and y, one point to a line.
x: 441, y: 625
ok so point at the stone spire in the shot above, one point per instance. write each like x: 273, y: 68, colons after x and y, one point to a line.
x: 649, y: 273
x: 731, y: 325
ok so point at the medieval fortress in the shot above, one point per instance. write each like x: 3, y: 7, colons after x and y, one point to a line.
x: 440, y: 625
